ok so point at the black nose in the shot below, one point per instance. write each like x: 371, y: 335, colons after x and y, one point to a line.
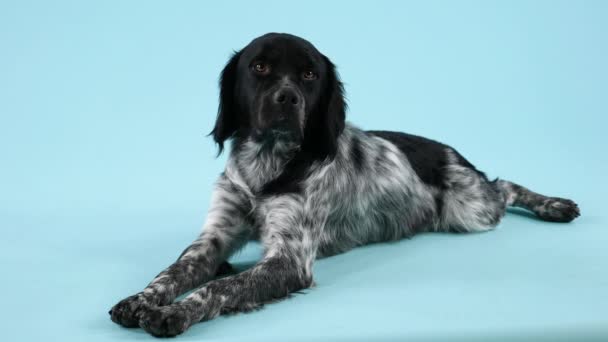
x: 287, y: 96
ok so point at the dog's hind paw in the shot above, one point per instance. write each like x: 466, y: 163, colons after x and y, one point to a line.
x: 557, y: 209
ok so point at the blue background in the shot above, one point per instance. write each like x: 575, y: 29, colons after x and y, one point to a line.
x: 106, y: 172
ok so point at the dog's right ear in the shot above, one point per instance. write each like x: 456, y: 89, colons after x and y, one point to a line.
x: 227, y: 122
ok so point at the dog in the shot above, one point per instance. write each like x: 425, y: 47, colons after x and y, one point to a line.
x: 307, y: 184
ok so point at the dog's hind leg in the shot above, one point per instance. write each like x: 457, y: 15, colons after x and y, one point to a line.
x: 553, y: 209
x: 472, y: 203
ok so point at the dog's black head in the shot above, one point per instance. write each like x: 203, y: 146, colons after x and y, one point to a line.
x: 280, y: 87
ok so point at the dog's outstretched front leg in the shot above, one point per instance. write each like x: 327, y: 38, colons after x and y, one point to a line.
x: 225, y: 230
x: 286, y: 266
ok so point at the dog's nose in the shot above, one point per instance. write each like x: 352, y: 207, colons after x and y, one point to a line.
x: 287, y: 96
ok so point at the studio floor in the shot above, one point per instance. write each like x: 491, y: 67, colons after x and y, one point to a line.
x: 527, y: 280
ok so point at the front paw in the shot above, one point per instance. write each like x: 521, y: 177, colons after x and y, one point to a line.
x: 128, y: 310
x: 165, y: 321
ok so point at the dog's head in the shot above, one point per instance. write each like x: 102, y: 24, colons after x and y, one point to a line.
x: 279, y: 87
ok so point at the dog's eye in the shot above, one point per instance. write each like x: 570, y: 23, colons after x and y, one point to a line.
x: 309, y: 75
x: 261, y: 68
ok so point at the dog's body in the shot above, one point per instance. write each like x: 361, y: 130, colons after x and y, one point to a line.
x: 307, y: 185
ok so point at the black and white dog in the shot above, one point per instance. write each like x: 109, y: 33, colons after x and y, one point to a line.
x: 308, y: 185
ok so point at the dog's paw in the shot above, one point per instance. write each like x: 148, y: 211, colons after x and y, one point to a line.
x: 128, y: 310
x: 559, y: 210
x: 165, y: 321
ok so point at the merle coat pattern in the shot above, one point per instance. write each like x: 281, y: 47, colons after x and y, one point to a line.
x: 306, y: 184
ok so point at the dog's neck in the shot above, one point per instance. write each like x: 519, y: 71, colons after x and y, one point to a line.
x: 258, y: 163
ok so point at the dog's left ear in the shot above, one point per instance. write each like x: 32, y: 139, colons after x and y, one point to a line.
x: 329, y: 121
x: 227, y: 122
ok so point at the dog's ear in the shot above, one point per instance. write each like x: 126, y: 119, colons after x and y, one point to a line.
x: 336, y: 108
x: 329, y: 121
x: 227, y: 122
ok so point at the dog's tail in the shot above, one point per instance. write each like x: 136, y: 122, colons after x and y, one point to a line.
x: 553, y: 209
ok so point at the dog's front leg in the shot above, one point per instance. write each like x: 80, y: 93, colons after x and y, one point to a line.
x: 289, y: 239
x: 225, y: 230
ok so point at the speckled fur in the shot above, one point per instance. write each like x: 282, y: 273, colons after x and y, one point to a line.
x: 368, y: 191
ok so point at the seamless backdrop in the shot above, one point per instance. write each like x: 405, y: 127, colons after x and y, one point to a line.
x: 106, y: 170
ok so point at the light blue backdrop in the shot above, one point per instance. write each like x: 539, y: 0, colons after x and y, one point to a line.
x: 106, y: 172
